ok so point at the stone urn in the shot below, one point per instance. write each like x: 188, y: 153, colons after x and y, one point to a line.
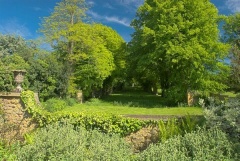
x: 19, y: 78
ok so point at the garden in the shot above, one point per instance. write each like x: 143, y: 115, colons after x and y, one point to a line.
x: 171, y: 93
x: 70, y: 134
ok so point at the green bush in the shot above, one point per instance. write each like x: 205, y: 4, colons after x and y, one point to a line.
x: 61, y: 141
x: 199, y: 145
x: 6, y: 80
x: 70, y: 101
x: 178, y: 126
x: 226, y: 116
x: 7, y: 152
x: 93, y: 101
x: 54, y: 104
x: 168, y: 129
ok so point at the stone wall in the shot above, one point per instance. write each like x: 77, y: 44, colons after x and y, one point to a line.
x: 15, y: 122
x: 14, y: 119
x: 141, y: 139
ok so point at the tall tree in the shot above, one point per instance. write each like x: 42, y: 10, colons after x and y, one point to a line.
x: 232, y: 36
x: 65, y: 15
x: 178, y: 41
x: 12, y: 44
x: 56, y: 29
x: 97, y: 53
x: 117, y: 46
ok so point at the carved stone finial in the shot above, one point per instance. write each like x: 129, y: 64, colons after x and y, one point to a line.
x: 19, y: 78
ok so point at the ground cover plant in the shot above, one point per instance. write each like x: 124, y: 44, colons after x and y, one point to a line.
x: 200, y: 145
x: 226, y: 116
x: 7, y: 152
x: 47, y: 143
x: 78, y: 144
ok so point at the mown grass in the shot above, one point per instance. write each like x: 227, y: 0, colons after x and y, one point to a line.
x: 135, y: 103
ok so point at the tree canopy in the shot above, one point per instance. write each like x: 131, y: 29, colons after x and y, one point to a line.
x: 96, y: 54
x: 232, y: 36
x: 90, y: 52
x: 175, y: 47
x: 177, y: 44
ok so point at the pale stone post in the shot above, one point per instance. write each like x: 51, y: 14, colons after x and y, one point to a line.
x: 80, y: 96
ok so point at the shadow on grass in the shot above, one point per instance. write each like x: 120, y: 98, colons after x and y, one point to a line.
x: 135, y: 99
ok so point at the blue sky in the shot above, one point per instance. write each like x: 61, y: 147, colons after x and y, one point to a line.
x: 22, y: 17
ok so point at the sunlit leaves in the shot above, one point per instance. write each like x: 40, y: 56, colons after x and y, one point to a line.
x: 232, y: 36
x: 96, y: 54
x: 178, y: 41
x: 66, y: 13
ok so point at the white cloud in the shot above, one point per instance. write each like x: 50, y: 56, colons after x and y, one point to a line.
x: 37, y: 9
x: 233, y: 5
x: 130, y: 6
x: 127, y: 3
x: 94, y: 15
x: 15, y: 28
x: 115, y: 19
x: 107, y: 5
x: 91, y: 3
x: 123, y: 21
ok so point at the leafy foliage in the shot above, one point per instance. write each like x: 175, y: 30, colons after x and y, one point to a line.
x: 226, y: 116
x: 232, y: 32
x: 106, y: 123
x: 53, y: 105
x: 178, y: 126
x: 90, y: 53
x: 7, y: 65
x: 176, y: 45
x: 7, y: 152
x: 56, y: 104
x: 46, y: 76
x: 11, y: 44
x: 56, y: 29
x: 63, y: 141
x: 96, y: 56
x: 200, y: 145
x: 6, y: 81
x: 66, y: 13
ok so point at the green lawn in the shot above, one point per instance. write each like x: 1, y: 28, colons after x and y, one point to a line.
x: 138, y: 103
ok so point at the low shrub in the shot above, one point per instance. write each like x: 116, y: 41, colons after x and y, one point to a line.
x: 199, y: 145
x: 7, y: 152
x: 168, y: 129
x: 54, y: 104
x: 178, y: 126
x: 93, y: 101
x: 63, y: 141
x: 70, y: 101
x: 226, y: 116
